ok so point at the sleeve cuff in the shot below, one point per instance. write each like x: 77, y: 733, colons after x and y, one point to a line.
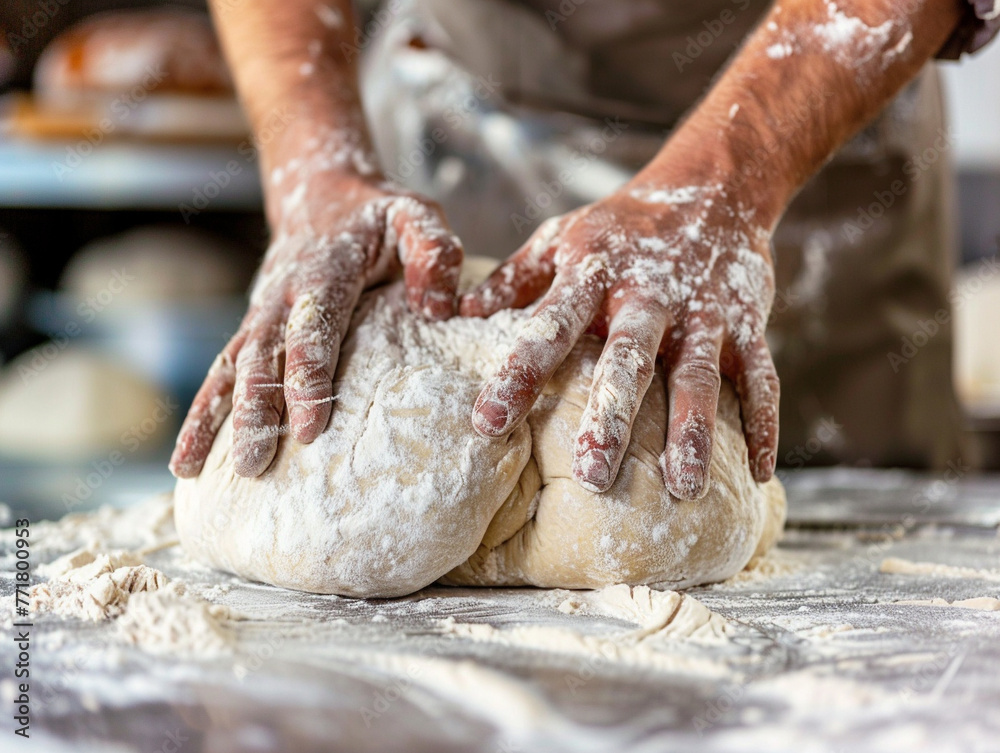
x: 977, y: 29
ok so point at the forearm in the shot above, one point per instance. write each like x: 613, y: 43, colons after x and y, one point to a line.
x: 295, y: 67
x: 811, y: 76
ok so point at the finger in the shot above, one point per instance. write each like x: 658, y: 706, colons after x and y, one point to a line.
x: 693, y: 400
x: 257, y: 396
x: 316, y: 327
x: 210, y: 407
x: 431, y: 255
x: 519, y: 280
x: 621, y: 379
x: 759, y: 391
x: 543, y: 344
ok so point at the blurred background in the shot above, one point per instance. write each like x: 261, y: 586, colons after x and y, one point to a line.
x: 131, y: 224
x: 130, y: 227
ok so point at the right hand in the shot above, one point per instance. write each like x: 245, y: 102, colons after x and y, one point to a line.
x: 337, y: 232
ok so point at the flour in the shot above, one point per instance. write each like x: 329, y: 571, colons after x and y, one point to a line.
x: 98, y: 589
x: 847, y: 39
x: 143, y: 528
x: 895, y: 565
x: 101, y: 581
x: 780, y: 50
x: 331, y: 18
x: 776, y: 563
x: 664, y: 621
x: 522, y: 667
x: 982, y: 603
x: 168, y: 620
x: 673, y: 197
x: 659, y: 614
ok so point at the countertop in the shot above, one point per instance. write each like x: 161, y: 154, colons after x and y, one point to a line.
x: 821, y: 653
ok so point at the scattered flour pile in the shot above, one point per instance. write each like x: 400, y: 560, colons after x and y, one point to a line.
x: 97, y: 582
x: 94, y: 586
x: 662, y: 619
x: 170, y: 620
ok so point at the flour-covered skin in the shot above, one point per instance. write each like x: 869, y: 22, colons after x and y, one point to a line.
x: 677, y: 264
x: 338, y: 232
x: 338, y: 227
x: 683, y: 273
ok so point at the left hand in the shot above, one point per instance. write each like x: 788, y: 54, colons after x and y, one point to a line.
x: 683, y: 274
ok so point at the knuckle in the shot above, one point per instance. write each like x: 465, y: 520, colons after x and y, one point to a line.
x: 626, y: 358
x: 522, y: 371
x: 307, y: 382
x: 699, y: 373
x: 767, y: 385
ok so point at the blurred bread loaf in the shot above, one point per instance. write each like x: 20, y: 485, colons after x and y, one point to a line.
x: 156, y: 74
x: 162, y: 51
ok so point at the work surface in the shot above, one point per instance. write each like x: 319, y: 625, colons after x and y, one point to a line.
x: 817, y: 650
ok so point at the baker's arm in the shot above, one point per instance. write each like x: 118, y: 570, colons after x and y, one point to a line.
x: 677, y: 263
x: 337, y: 226
x: 812, y: 75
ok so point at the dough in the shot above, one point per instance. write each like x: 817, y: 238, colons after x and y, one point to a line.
x: 74, y: 405
x: 976, y: 293
x: 157, y: 261
x: 400, y: 491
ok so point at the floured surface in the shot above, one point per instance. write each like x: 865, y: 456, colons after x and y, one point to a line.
x: 811, y: 649
x: 899, y: 566
x: 983, y: 603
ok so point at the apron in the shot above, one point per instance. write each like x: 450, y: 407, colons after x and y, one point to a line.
x: 508, y: 113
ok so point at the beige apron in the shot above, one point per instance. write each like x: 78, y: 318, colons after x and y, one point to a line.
x: 510, y: 112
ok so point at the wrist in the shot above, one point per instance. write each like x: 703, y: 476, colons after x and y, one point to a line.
x: 303, y: 148
x: 742, y: 167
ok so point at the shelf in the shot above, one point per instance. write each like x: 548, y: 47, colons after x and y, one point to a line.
x: 128, y: 175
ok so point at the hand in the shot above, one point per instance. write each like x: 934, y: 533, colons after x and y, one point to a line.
x: 682, y: 274
x: 336, y: 234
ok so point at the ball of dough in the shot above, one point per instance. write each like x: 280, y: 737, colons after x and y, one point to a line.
x: 977, y: 350
x: 155, y: 263
x: 400, y: 491
x: 63, y: 403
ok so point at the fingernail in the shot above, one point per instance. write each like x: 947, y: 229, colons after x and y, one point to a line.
x: 687, y: 484
x: 491, y: 417
x: 765, y: 465
x: 685, y: 481
x: 179, y: 466
x: 247, y: 459
x: 592, y: 471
